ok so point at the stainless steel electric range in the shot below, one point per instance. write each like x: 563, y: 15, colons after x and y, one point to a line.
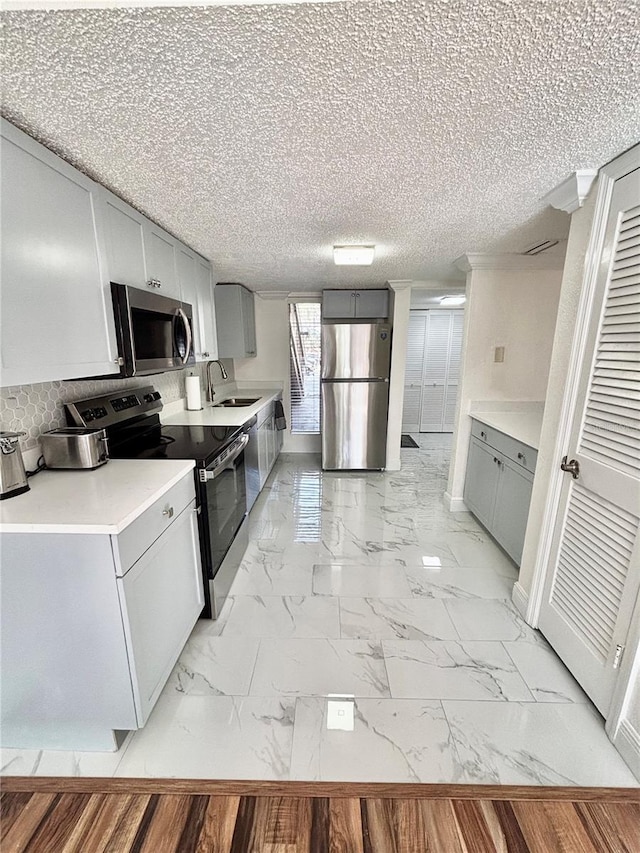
x: 134, y: 431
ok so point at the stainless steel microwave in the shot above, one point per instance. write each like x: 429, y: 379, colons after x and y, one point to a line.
x: 154, y: 333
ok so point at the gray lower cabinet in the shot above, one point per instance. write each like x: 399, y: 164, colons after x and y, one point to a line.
x: 481, y: 482
x: 265, y: 444
x: 498, y: 485
x: 513, y: 497
x: 93, y: 624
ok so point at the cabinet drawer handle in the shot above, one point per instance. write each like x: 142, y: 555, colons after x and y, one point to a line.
x: 483, y: 435
x: 168, y: 512
x: 522, y: 456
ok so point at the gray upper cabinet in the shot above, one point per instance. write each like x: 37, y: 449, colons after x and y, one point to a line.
x: 355, y: 304
x: 56, y: 305
x: 124, y: 238
x: 194, y: 279
x: 160, y: 255
x: 64, y: 238
x: 206, y: 312
x: 235, y: 321
x: 187, y: 272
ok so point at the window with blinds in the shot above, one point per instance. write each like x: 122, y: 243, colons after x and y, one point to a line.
x: 304, y: 366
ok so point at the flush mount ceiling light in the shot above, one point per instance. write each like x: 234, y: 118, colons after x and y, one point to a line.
x: 360, y: 256
x: 453, y: 300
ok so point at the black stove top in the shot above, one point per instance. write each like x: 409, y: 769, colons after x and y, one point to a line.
x: 202, y: 443
x: 134, y: 430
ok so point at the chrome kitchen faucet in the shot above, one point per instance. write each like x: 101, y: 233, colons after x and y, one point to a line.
x: 210, y: 392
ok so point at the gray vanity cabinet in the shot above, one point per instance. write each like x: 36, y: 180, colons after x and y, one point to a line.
x: 511, y: 511
x: 498, y: 485
x: 481, y: 482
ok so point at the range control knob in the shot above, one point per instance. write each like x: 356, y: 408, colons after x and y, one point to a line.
x: 87, y: 415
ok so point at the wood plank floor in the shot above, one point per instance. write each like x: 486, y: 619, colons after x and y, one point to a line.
x: 179, y: 816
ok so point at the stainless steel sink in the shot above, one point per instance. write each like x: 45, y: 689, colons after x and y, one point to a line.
x: 237, y: 402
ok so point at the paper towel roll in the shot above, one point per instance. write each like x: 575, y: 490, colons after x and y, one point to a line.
x: 194, y: 397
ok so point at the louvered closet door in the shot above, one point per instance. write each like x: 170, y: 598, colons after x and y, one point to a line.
x: 590, y: 595
x: 434, y: 377
x: 453, y: 371
x: 413, y: 371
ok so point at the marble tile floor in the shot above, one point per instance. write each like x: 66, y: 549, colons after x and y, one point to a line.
x: 370, y: 636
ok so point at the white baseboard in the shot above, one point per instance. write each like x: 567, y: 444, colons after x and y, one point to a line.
x: 627, y: 742
x: 520, y: 598
x: 454, y: 504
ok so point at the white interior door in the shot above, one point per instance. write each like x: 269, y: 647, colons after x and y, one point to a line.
x: 434, y: 377
x: 413, y: 371
x: 592, y: 588
x: 453, y: 372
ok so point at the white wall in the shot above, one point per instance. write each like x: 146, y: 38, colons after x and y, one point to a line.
x: 516, y: 309
x: 272, y: 363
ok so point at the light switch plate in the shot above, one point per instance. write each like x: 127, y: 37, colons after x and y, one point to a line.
x: 498, y: 355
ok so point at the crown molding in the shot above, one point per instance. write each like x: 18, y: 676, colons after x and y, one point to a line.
x: 625, y: 163
x: 570, y: 194
x: 513, y: 261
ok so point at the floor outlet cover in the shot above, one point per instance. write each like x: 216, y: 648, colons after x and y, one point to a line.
x: 340, y: 714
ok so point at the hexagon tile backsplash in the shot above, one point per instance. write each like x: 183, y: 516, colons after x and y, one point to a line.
x: 34, y: 409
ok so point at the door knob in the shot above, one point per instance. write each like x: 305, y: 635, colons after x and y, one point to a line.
x: 573, y: 467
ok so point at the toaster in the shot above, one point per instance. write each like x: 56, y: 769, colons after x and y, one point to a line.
x: 75, y: 447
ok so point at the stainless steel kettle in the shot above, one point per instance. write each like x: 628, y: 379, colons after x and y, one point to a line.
x: 13, y: 479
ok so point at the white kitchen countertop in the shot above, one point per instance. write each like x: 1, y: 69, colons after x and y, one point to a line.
x: 220, y: 416
x: 105, y: 500
x: 524, y: 426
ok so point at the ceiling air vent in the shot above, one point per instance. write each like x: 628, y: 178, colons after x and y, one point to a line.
x: 538, y: 248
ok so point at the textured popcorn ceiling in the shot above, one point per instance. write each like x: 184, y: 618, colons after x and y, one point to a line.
x: 262, y: 135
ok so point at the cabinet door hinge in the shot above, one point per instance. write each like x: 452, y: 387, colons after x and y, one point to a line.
x: 617, y: 658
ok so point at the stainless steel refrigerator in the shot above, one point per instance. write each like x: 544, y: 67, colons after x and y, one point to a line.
x: 356, y: 358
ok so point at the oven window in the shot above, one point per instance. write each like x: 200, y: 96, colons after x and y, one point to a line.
x: 152, y: 334
x: 226, y: 508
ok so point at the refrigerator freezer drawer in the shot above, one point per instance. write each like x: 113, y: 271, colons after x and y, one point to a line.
x: 356, y: 350
x: 354, y: 425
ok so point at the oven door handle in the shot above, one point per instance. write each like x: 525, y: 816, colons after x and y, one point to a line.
x: 211, y: 474
x: 187, y: 330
